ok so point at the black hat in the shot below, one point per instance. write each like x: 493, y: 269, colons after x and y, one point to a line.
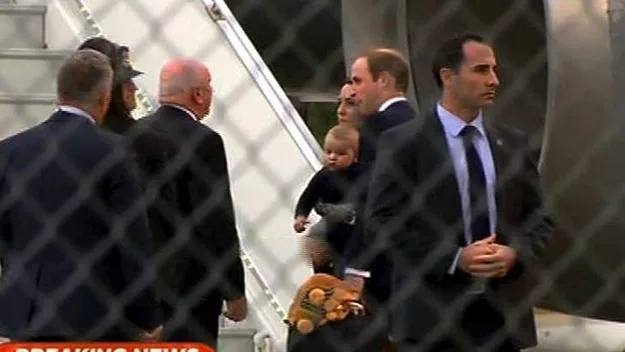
x: 125, y: 73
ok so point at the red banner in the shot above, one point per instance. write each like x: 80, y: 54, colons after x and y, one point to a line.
x: 103, y: 347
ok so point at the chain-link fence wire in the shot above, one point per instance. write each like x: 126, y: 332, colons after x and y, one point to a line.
x: 302, y: 46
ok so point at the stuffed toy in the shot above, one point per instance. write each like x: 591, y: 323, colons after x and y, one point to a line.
x: 321, y: 299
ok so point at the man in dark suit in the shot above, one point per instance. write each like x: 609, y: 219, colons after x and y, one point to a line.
x: 380, y: 79
x: 209, y: 266
x: 455, y: 202
x: 75, y: 242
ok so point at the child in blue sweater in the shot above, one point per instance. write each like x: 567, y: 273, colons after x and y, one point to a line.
x: 329, y: 192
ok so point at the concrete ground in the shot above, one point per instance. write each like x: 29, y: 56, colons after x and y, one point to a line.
x: 565, y: 333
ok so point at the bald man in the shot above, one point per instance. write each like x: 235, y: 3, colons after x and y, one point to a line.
x: 206, y: 269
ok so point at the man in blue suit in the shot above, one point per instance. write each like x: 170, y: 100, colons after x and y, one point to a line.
x: 74, y: 238
x: 380, y: 79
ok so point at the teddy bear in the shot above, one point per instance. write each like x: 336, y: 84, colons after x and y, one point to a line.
x: 321, y: 299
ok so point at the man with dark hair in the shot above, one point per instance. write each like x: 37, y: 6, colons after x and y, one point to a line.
x: 74, y: 239
x: 450, y: 54
x: 380, y: 79
x: 455, y: 202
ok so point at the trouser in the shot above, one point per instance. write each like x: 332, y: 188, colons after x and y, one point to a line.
x: 354, y: 334
x: 447, y: 346
x: 480, y: 329
x: 200, y: 323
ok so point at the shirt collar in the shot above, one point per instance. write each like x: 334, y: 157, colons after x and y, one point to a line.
x: 390, y: 102
x: 453, y: 124
x: 76, y: 111
x: 183, y: 109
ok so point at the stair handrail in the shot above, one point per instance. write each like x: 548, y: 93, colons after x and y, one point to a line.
x: 220, y: 13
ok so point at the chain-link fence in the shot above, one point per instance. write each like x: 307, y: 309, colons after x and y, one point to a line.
x: 277, y: 69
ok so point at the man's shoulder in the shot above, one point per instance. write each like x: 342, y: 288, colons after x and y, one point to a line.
x: 399, y: 110
x: 109, y: 137
x: 407, y: 129
x: 22, y: 136
x: 209, y: 135
x: 509, y: 133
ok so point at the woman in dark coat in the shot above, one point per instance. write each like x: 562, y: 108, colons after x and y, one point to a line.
x: 118, y: 119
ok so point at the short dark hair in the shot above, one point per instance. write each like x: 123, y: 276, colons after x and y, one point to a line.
x: 84, y: 75
x: 391, y: 61
x: 450, y: 53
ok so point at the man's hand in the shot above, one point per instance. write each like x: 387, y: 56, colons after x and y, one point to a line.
x: 355, y: 283
x: 475, y: 250
x: 496, y: 264
x: 236, y: 310
x: 300, y: 223
x: 152, y: 336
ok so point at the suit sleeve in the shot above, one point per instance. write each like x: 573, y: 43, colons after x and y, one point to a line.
x: 394, y: 202
x: 531, y: 238
x: 357, y: 263
x: 5, y: 203
x: 134, y: 242
x: 379, y: 198
x: 211, y: 199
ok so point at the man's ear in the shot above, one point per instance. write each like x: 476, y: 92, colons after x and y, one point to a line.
x: 386, y: 79
x: 446, y: 75
x: 196, y: 97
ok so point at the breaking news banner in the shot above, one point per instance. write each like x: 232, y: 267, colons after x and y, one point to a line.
x: 103, y: 347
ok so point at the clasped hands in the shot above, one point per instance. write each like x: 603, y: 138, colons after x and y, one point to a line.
x: 487, y: 259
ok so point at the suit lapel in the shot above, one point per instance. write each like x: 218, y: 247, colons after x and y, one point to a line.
x: 441, y: 168
x: 501, y: 160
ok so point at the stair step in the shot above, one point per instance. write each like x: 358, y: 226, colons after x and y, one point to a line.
x: 22, y: 26
x: 21, y: 111
x: 236, y: 340
x: 29, y: 71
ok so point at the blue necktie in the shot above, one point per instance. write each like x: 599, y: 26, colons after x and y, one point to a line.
x: 480, y: 224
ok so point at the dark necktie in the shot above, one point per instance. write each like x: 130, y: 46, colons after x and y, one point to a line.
x: 480, y: 224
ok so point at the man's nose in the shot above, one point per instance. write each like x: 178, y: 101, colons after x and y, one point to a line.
x: 493, y: 79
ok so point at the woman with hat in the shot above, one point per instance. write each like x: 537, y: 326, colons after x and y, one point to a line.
x: 123, y: 101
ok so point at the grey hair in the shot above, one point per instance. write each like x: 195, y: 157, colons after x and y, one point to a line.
x: 83, y: 77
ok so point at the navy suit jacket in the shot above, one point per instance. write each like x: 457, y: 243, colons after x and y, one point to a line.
x: 372, y: 127
x: 414, y: 215
x: 74, y: 237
